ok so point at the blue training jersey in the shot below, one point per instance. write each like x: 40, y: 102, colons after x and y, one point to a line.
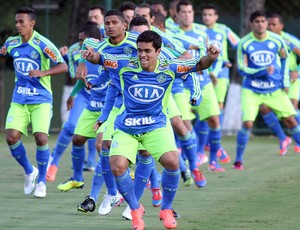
x: 35, y: 54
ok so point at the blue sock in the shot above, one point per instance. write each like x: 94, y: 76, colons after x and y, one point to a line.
x: 19, y: 153
x: 42, y: 158
x: 107, y: 174
x: 215, y: 144
x: 125, y: 187
x: 169, y: 182
x: 182, y: 164
x: 62, y: 143
x: 296, y: 134
x: 297, y: 116
x: 91, y: 160
x: 78, y: 154
x: 142, y: 174
x: 221, y: 116
x: 242, y: 140
x: 273, y: 123
x: 154, y: 177
x: 202, y: 130
x: 190, y: 149
x: 97, y: 182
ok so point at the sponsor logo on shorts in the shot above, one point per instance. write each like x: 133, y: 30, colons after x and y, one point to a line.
x: 10, y: 119
x: 24, y: 65
x: 51, y: 54
x: 262, y: 57
x: 146, y: 92
x: 115, y: 144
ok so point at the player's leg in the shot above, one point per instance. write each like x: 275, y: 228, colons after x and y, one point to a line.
x: 221, y: 90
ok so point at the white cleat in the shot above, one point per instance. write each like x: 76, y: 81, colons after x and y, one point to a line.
x: 109, y: 202
x: 29, y: 181
x: 127, y: 213
x: 40, y: 190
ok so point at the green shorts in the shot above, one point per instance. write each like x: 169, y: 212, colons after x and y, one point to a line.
x: 183, y: 103
x: 294, y: 90
x: 209, y: 105
x: 278, y: 101
x: 21, y: 115
x: 172, y: 109
x: 221, y: 89
x: 156, y: 142
x: 108, y: 127
x: 86, y: 122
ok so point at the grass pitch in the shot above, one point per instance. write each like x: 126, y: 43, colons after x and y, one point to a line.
x: 266, y: 195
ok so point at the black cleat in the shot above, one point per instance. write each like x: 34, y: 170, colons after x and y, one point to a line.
x: 88, y: 205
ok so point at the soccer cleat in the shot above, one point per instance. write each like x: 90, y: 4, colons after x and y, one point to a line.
x: 148, y: 184
x: 40, y: 190
x: 88, y: 205
x: 223, y: 156
x: 109, y: 202
x: 187, y: 177
x: 70, y: 184
x: 199, y: 178
x: 87, y: 167
x: 167, y: 216
x: 297, y: 148
x: 215, y: 167
x: 51, y: 173
x: 156, y: 197
x: 202, y: 159
x: 175, y: 214
x: 29, y: 181
x: 137, y: 218
x: 238, y: 165
x: 284, y: 145
x: 127, y: 213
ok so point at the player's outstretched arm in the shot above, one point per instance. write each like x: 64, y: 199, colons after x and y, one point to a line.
x: 90, y: 55
x: 206, y: 61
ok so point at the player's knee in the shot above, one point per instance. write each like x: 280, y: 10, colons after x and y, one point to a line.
x: 118, y: 165
x: 170, y: 160
x: 41, y: 139
x: 12, y: 138
x: 106, y: 145
x: 78, y: 140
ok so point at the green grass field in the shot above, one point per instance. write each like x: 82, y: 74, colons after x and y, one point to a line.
x: 266, y: 195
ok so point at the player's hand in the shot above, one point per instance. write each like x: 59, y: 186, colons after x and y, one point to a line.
x: 63, y: 50
x: 270, y: 69
x: 228, y: 64
x: 36, y: 73
x: 88, y: 85
x: 193, y: 47
x: 286, y: 90
x: 97, y: 125
x: 88, y: 54
x: 213, y: 52
x: 213, y: 78
x: 294, y: 75
x: 70, y: 103
x: 81, y: 71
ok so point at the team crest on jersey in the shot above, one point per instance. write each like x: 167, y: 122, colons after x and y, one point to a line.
x: 127, y: 50
x: 34, y: 55
x: 14, y: 42
x: 218, y: 36
x: 50, y: 53
x: 271, y: 45
x: 36, y: 41
x: 161, y: 78
x: 3, y: 50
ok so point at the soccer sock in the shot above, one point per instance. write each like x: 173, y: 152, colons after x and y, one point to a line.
x: 297, y: 116
x: 107, y: 174
x: 169, y: 182
x: 142, y: 174
x: 154, y: 177
x: 221, y: 116
x: 97, y: 181
x: 42, y: 158
x: 63, y: 140
x: 272, y: 122
x: 91, y: 159
x: 19, y: 153
x: 296, y: 134
x: 242, y: 140
x: 215, y: 143
x: 190, y: 149
x: 182, y: 164
x: 125, y: 187
x: 78, y: 154
x: 202, y: 130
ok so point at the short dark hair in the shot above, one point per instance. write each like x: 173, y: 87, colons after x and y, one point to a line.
x: 159, y: 2
x: 276, y: 15
x: 257, y: 13
x: 150, y: 36
x: 99, y: 7
x: 127, y: 6
x: 210, y: 6
x: 27, y: 10
x: 115, y: 12
x: 146, y: 5
x: 183, y: 3
x: 91, y: 29
x: 159, y: 18
x: 138, y: 21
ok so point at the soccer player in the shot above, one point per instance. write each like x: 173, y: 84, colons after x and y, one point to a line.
x: 276, y: 25
x: 263, y: 62
x: 96, y: 14
x: 134, y: 127
x: 171, y: 21
x: 32, y: 96
x: 127, y: 8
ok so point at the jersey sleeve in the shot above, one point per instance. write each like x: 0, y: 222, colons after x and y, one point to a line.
x: 4, y: 49
x: 50, y: 51
x: 284, y: 60
x: 232, y: 38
